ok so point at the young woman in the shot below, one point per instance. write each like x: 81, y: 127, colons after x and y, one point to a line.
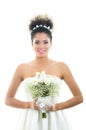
x: 41, y: 37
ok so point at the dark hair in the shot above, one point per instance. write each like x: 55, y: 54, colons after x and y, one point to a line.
x: 41, y: 23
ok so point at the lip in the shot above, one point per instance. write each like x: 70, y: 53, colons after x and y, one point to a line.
x: 41, y: 51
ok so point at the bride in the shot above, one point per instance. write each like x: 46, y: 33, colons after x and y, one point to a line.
x: 41, y: 28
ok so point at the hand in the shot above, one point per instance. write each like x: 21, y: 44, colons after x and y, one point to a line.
x: 54, y: 108
x: 33, y: 105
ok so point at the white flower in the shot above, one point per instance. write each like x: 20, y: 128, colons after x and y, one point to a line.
x: 42, y: 85
x: 44, y: 88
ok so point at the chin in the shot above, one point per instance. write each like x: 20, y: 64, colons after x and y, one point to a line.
x: 41, y: 56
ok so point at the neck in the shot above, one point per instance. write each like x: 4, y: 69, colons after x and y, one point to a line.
x: 41, y: 60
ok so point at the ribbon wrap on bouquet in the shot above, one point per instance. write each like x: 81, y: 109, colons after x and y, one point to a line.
x: 43, y: 103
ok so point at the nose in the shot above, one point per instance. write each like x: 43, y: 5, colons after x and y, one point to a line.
x: 41, y: 45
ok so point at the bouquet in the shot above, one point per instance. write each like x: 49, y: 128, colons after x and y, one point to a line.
x: 43, y: 88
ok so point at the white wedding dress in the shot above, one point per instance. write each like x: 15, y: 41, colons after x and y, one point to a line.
x: 31, y: 119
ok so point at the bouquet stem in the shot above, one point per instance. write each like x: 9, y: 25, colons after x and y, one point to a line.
x: 44, y: 115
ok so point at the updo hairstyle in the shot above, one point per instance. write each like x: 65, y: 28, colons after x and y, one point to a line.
x: 41, y: 23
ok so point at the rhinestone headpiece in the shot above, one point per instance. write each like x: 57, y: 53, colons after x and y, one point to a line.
x: 43, y: 26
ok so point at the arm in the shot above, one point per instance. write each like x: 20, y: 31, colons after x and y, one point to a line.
x: 71, y: 83
x: 10, y: 96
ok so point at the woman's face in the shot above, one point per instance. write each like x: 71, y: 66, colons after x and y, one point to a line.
x: 41, y: 44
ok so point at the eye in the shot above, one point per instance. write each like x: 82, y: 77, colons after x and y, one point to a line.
x: 36, y: 42
x: 45, y: 42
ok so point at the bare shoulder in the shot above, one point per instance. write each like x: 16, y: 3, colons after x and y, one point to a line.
x: 20, y: 68
x: 23, y: 70
x: 24, y: 66
x: 64, y: 69
x: 61, y: 65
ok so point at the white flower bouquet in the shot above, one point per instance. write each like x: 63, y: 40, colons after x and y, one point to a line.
x: 43, y: 88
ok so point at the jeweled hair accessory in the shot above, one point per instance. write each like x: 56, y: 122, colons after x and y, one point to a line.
x: 43, y: 26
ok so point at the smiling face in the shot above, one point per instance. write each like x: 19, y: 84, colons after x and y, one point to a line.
x: 41, y: 44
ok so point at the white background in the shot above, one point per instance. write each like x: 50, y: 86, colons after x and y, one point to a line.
x: 69, y: 41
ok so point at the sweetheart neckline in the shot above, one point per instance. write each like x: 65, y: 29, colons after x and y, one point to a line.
x: 46, y: 74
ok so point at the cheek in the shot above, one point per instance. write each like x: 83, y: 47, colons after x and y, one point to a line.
x: 49, y: 46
